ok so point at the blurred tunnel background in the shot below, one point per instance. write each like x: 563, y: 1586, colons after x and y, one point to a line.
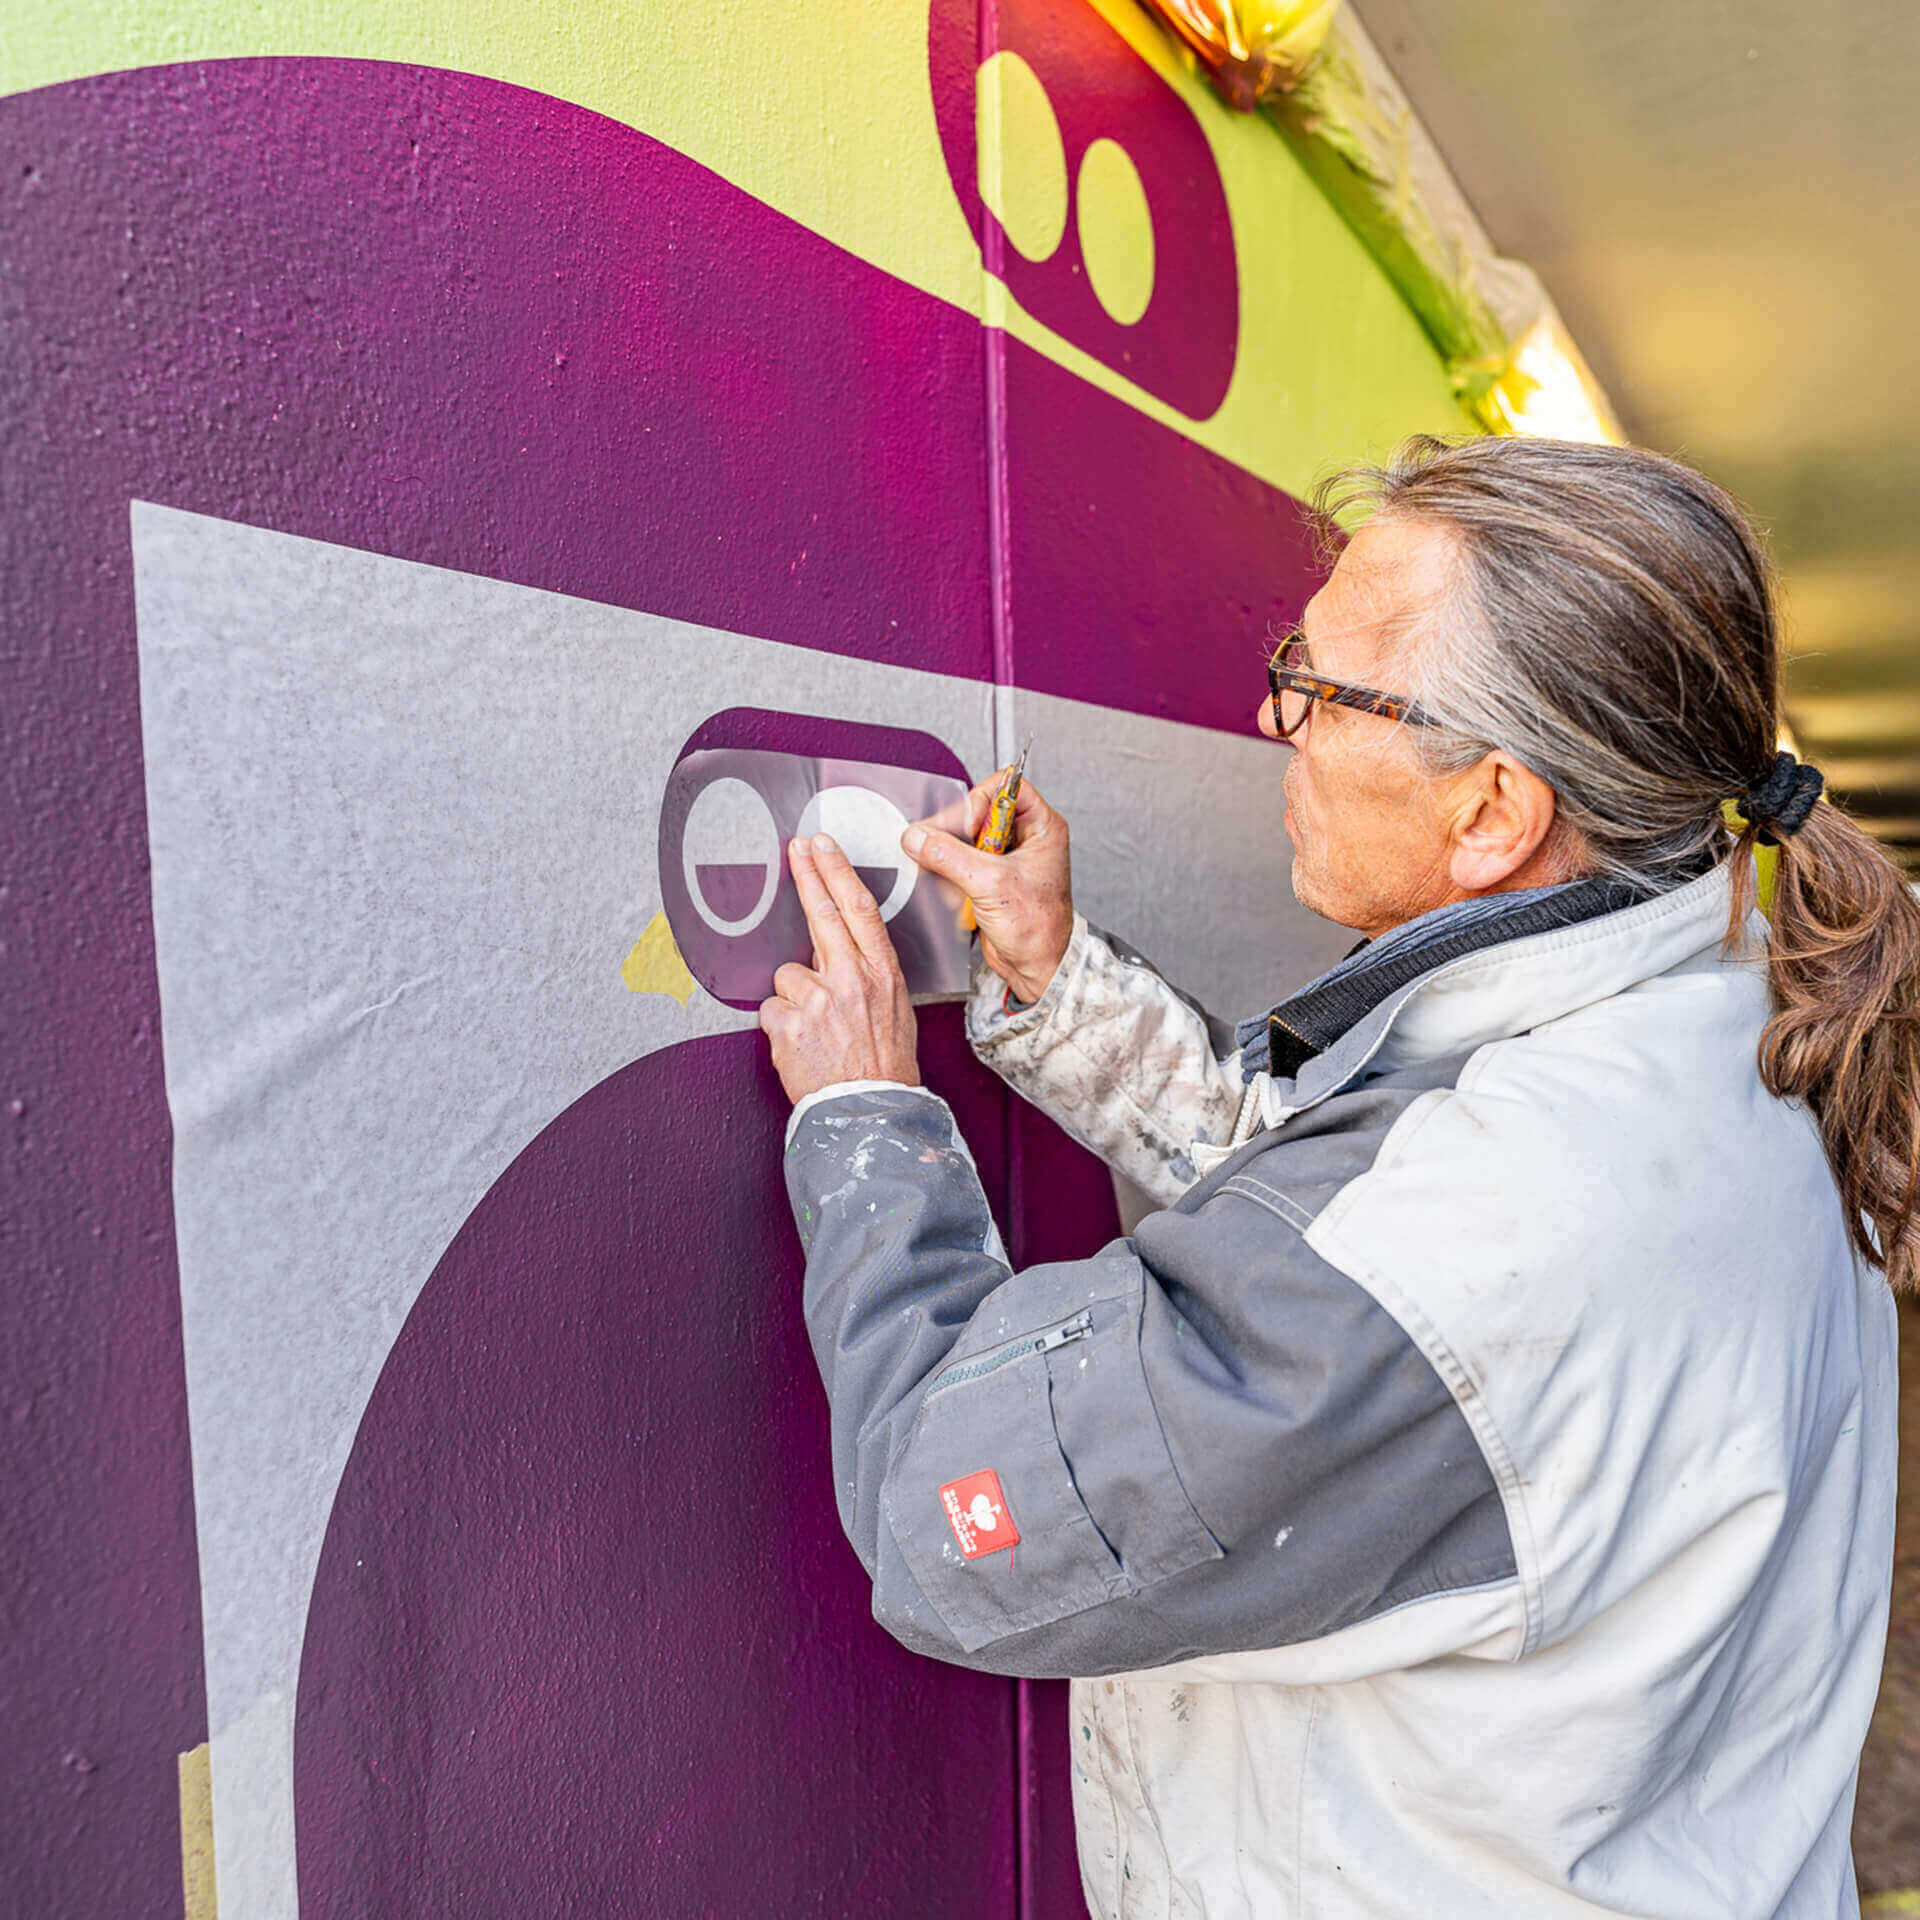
x: 1723, y: 199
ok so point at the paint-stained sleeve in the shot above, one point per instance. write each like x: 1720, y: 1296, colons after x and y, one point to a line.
x: 1201, y: 1442
x: 1123, y: 1061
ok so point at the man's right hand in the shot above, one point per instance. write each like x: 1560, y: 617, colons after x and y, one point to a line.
x: 1023, y: 898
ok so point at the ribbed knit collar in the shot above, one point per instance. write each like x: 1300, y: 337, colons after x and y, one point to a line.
x: 1311, y: 1020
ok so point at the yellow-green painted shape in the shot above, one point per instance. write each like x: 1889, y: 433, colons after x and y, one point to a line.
x: 655, y: 965
x: 200, y: 1895
x: 1116, y: 231
x: 1023, y: 162
x: 823, y: 110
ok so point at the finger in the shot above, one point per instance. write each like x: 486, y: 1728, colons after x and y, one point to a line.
x: 797, y: 985
x: 1032, y: 815
x: 831, y: 940
x: 859, y: 911
x: 977, y: 806
x: 777, y: 1018
x: 964, y: 818
x: 975, y: 809
x: 956, y: 860
x: 961, y: 816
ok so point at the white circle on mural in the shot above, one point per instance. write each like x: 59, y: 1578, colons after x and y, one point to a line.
x: 1116, y: 231
x: 868, y: 827
x: 730, y: 856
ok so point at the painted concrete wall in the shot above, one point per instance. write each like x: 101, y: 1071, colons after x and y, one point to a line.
x: 421, y: 424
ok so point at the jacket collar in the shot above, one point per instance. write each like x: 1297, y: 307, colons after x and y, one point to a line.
x: 1310, y: 1021
x: 1520, y: 984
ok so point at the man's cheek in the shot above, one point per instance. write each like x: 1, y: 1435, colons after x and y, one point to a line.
x: 1293, y: 787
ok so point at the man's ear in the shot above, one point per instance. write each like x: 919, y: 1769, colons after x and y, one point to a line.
x: 1502, y: 816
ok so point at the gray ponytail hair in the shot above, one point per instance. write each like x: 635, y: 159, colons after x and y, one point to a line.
x: 1611, y: 623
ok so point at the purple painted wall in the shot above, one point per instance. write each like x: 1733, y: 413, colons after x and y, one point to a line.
x: 1182, y: 347
x: 584, y: 1637
x: 586, y: 1517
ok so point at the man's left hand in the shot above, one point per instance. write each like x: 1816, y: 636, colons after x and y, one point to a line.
x: 846, y: 1017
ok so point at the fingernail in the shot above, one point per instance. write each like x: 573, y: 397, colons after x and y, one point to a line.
x: 823, y: 843
x: 800, y: 846
x: 914, y: 839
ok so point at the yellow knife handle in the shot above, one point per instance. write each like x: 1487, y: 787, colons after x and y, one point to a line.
x: 999, y: 828
x: 992, y: 838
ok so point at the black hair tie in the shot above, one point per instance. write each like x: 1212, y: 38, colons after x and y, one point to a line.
x: 1778, y: 805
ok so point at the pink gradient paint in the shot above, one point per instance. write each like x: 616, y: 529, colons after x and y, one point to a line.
x: 606, y: 1646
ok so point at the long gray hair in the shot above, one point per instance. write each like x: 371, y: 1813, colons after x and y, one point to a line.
x: 1611, y: 623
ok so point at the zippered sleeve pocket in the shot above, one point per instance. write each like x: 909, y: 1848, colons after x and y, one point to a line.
x: 983, y: 1502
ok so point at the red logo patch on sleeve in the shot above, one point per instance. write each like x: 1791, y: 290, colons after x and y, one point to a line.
x: 977, y: 1512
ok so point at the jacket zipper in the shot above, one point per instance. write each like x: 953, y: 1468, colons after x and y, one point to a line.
x: 1078, y: 1328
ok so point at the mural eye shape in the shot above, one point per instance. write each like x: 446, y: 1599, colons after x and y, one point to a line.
x: 730, y: 856
x: 868, y: 827
x: 1090, y: 182
x: 1116, y: 230
x: 1022, y: 159
x: 724, y: 816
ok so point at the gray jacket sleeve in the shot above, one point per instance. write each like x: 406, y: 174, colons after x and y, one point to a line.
x: 1202, y: 1440
x: 1123, y: 1061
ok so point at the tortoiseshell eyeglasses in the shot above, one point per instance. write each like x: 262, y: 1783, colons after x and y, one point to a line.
x: 1296, y: 687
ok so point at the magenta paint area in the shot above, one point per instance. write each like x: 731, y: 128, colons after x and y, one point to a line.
x: 444, y: 318
x: 726, y: 819
x: 1182, y: 348
x: 586, y: 1636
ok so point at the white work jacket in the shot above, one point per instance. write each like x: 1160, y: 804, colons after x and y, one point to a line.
x: 1471, y: 1496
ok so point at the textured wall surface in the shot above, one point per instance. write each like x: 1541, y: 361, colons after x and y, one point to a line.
x: 450, y: 1458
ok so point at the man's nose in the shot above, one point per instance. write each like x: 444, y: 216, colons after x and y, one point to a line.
x: 1263, y: 719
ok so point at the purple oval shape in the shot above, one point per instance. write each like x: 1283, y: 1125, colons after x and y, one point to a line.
x: 585, y: 1635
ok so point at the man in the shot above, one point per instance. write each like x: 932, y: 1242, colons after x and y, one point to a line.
x: 1475, y: 1487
